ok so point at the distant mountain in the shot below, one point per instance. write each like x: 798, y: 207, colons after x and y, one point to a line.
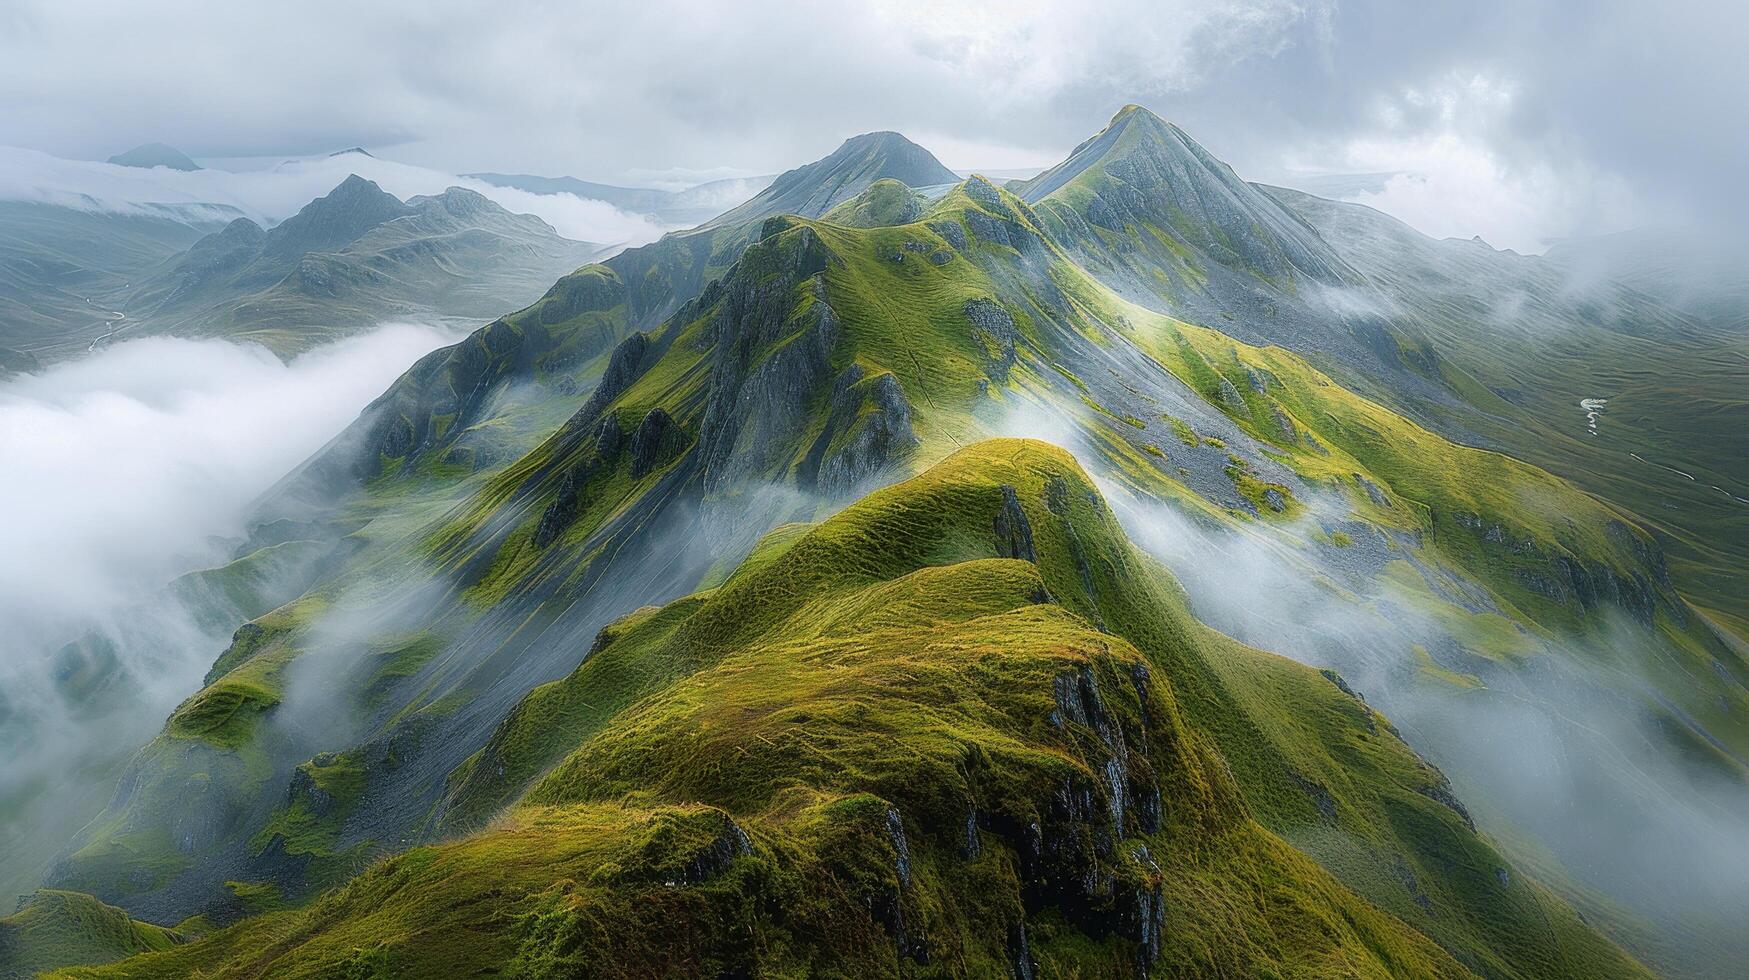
x: 350, y: 259
x: 155, y: 155
x: 1142, y: 177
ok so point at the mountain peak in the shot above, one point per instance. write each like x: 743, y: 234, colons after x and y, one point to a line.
x: 896, y: 156
x: 815, y: 188
x: 331, y: 221
x: 1134, y: 110
x: 148, y: 155
x: 458, y: 201
x: 352, y: 149
x: 1141, y: 171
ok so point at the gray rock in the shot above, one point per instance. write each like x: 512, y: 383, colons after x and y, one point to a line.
x: 951, y: 231
x: 1230, y: 396
x: 993, y: 328
x: 1013, y: 530
x: 658, y: 441
x: 714, y: 858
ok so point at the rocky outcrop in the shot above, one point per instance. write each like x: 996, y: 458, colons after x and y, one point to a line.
x: 1069, y: 849
x: 1013, y: 530
x: 769, y: 360
x: 658, y: 441
x: 303, y: 789
x: 997, y: 221
x: 1440, y: 792
x: 1569, y: 579
x: 714, y: 858
x: 1315, y: 791
x: 568, y: 501
x: 993, y: 330
x: 628, y: 362
x: 868, y: 429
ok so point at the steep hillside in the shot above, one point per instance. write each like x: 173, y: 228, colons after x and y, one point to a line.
x: 942, y: 731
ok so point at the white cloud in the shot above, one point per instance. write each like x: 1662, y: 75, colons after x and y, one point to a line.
x: 123, y: 467
x: 1430, y: 149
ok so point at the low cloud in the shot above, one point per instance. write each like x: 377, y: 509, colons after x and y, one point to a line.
x: 129, y: 467
x: 123, y: 470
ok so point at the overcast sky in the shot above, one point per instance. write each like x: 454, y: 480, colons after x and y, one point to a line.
x: 1519, y: 120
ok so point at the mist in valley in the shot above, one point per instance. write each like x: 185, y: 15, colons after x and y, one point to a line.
x: 126, y: 470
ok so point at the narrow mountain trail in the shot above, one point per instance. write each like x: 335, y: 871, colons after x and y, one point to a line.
x: 115, y: 317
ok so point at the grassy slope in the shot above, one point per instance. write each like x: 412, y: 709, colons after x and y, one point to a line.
x: 857, y: 694
x: 59, y: 928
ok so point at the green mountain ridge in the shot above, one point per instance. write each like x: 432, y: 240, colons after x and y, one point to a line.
x: 1038, y: 797
x: 471, y: 662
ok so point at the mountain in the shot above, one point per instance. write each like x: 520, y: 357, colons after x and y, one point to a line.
x: 706, y: 617
x: 350, y: 259
x: 792, y: 382
x: 1143, y: 178
x: 1159, y: 219
x: 154, y: 155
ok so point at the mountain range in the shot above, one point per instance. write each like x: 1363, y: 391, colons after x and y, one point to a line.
x: 877, y: 579
x: 345, y: 262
